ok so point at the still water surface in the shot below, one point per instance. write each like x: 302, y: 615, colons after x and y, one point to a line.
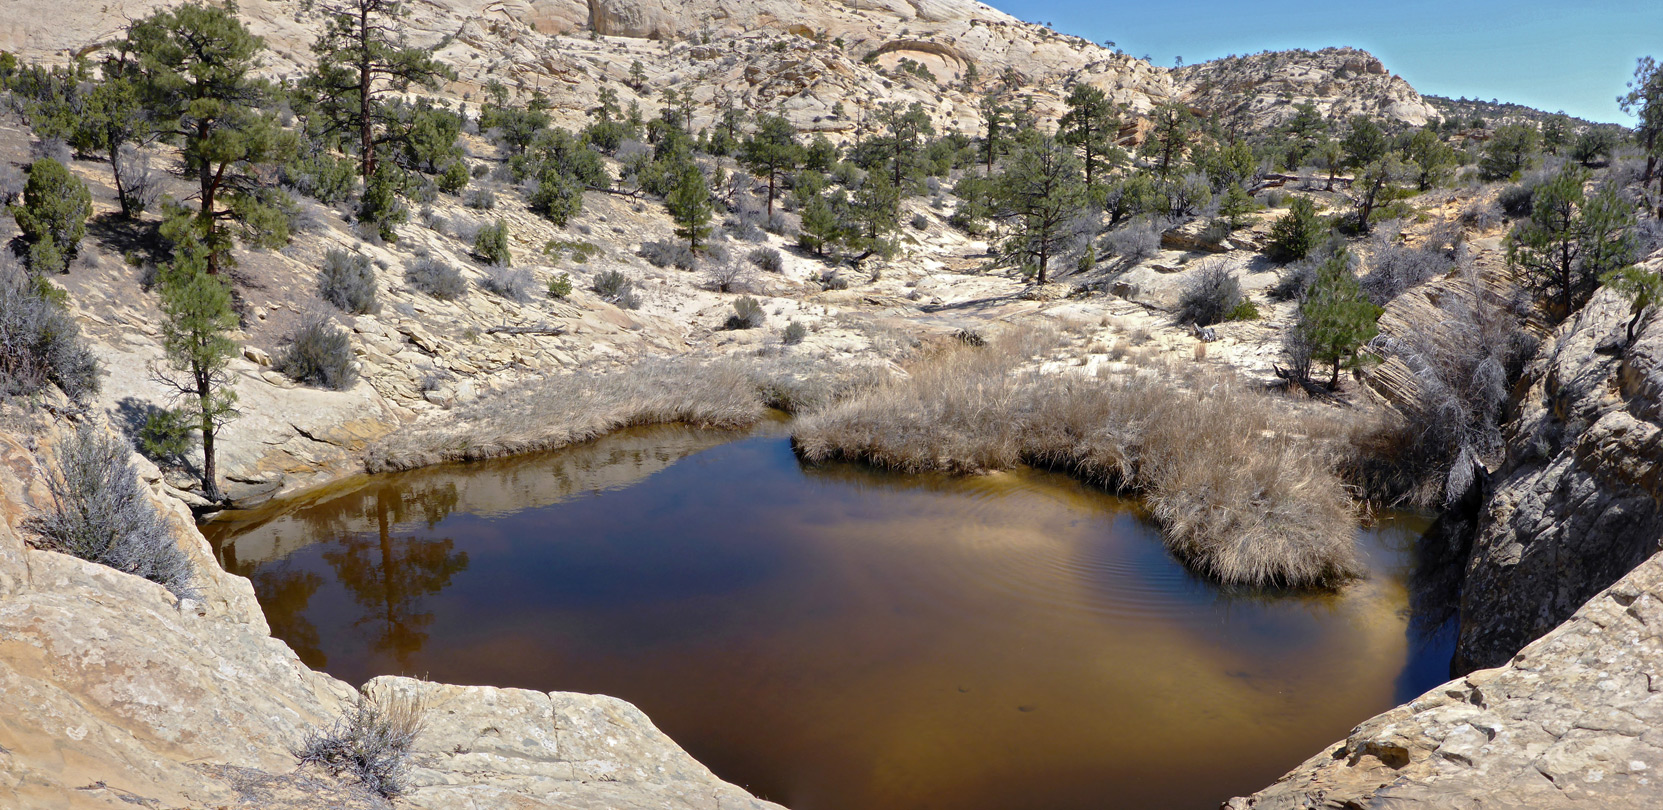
x: 836, y: 638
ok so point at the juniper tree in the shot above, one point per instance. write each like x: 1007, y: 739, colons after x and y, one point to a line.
x: 772, y: 152
x: 1509, y: 151
x: 1556, y: 132
x: 52, y: 216
x: 1296, y: 233
x: 1040, y: 192
x: 1091, y: 125
x: 196, y: 319
x: 194, y: 67
x: 362, y: 60
x: 1431, y: 158
x: 1365, y: 143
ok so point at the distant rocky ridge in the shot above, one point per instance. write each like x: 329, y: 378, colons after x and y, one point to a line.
x: 1263, y: 90
x: 802, y: 58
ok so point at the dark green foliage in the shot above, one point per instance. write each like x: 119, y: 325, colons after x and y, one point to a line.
x: 560, y: 287
x: 319, y: 175
x: 319, y: 353
x: 380, y: 207
x: 53, y: 215
x: 165, y: 436
x: 435, y: 278
x: 1174, y: 127
x: 194, y: 67
x: 1365, y: 143
x: 1092, y: 125
x: 101, y: 513
x: 347, y: 282
x: 1212, y: 294
x: 561, y: 166
x: 1644, y: 101
x: 1431, y: 159
x: 454, y: 178
x: 689, y: 205
x: 1040, y: 192
x: 40, y: 342
x: 1571, y: 240
x: 1510, y: 151
x: 196, y: 321
x: 747, y: 314
x: 1594, y: 147
x: 1336, y: 319
x: 363, y: 62
x: 490, y: 245
x: 772, y: 152
x: 1296, y: 233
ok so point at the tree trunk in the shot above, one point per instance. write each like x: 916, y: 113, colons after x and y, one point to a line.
x: 210, y: 475
x: 366, y: 136
x: 771, y: 176
x: 115, y: 174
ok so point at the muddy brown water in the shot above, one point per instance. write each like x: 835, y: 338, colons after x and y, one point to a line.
x: 837, y: 638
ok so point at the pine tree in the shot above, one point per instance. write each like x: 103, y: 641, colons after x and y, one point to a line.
x: 1091, y: 125
x: 1644, y: 101
x: 1570, y: 240
x: 772, y: 152
x: 1173, y: 128
x: 52, y: 216
x: 995, y: 129
x: 1365, y: 143
x: 196, y: 317
x: 689, y: 204
x: 1040, y: 192
x: 1336, y: 319
x: 194, y: 69
x: 906, y: 127
x: 1433, y: 160
x: 362, y: 60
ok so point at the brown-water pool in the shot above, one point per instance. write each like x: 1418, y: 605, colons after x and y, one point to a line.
x: 837, y: 638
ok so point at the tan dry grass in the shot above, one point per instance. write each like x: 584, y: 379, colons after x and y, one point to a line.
x: 553, y: 412
x: 1243, y: 495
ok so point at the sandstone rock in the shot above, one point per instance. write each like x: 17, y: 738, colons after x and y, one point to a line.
x: 1577, y: 504
x: 257, y: 356
x: 1263, y: 90
x: 1571, y: 721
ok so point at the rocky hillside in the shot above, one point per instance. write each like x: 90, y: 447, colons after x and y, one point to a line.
x: 1577, y: 505
x: 807, y: 59
x: 1263, y: 90
x: 118, y: 694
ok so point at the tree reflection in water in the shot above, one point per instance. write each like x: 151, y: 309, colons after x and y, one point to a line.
x: 388, y: 575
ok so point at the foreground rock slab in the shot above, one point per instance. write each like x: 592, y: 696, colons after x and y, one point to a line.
x: 1573, y: 720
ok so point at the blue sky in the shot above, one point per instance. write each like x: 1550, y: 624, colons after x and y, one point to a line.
x: 1574, y: 56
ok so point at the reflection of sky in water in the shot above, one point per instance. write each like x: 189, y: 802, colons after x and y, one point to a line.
x: 842, y: 638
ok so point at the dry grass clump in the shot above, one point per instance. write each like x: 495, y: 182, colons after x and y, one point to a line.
x: 1240, y: 497
x: 371, y: 742
x: 553, y: 412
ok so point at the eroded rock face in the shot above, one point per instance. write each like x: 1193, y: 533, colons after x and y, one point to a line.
x: 1575, y: 719
x: 115, y: 694
x: 1577, y: 505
